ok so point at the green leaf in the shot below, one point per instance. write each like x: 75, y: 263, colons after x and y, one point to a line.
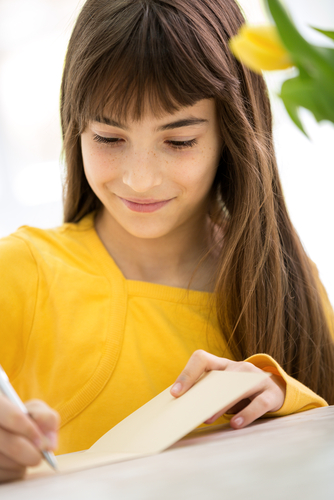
x: 309, y: 94
x: 328, y: 54
x: 292, y: 110
x: 288, y: 32
x: 313, y: 88
x: 328, y: 33
x: 302, y: 52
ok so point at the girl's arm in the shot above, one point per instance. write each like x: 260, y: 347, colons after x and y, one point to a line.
x: 21, y: 437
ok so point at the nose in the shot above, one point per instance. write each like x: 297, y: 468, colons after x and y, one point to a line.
x: 142, y: 172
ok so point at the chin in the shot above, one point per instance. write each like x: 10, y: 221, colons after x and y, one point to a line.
x: 144, y: 231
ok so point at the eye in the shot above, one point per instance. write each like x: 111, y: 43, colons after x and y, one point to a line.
x: 182, y: 144
x: 106, y: 140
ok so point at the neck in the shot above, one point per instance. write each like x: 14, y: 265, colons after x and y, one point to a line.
x: 173, y: 259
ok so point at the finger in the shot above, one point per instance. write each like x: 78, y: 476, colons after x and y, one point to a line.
x: 199, y: 363
x: 235, y: 409
x: 7, y: 463
x: 11, y: 475
x: 13, y: 420
x: 239, y: 406
x: 265, y: 389
x: 47, y: 420
x: 19, y: 449
x: 260, y: 405
x: 214, y: 417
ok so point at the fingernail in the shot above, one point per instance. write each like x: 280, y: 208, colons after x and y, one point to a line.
x: 176, y: 389
x: 238, y: 421
x: 53, y: 439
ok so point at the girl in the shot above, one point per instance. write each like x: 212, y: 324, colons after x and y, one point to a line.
x: 177, y: 249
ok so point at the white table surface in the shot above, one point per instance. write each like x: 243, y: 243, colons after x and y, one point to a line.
x: 285, y: 458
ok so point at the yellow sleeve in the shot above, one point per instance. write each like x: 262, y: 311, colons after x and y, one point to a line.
x: 18, y: 290
x: 298, y: 397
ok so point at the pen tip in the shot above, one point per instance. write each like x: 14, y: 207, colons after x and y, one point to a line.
x: 51, y: 459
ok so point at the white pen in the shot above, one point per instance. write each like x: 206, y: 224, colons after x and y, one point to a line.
x: 8, y: 390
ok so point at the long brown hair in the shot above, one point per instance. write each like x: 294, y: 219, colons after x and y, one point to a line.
x: 172, y: 53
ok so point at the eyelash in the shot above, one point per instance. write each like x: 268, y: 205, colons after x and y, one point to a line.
x: 182, y: 144
x: 174, y: 144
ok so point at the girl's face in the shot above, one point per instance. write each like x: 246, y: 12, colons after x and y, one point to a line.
x: 154, y: 175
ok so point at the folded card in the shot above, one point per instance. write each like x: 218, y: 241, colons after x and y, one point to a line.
x: 161, y: 422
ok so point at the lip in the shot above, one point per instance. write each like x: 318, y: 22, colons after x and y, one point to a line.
x: 146, y: 205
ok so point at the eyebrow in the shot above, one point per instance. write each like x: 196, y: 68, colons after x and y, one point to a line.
x: 187, y: 122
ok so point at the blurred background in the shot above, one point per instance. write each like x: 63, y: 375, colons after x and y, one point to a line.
x: 33, y: 40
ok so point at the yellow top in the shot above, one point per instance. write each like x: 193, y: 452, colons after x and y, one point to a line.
x: 93, y: 345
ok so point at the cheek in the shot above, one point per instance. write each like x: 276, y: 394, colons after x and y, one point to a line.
x: 99, y: 166
x: 199, y: 172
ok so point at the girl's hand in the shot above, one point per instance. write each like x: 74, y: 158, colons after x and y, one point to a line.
x: 268, y: 397
x: 23, y: 437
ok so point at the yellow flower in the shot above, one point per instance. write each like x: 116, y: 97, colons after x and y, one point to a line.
x: 260, y: 48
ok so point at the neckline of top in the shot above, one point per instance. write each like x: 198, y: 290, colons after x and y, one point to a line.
x: 137, y: 287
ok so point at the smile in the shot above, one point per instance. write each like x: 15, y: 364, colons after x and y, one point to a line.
x: 144, y: 206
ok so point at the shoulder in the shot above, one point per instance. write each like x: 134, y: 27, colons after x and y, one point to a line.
x: 31, y: 243
x: 68, y: 232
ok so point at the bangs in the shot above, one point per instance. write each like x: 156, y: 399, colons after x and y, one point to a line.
x: 148, y: 59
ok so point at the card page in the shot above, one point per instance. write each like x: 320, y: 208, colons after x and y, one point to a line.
x: 161, y: 422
